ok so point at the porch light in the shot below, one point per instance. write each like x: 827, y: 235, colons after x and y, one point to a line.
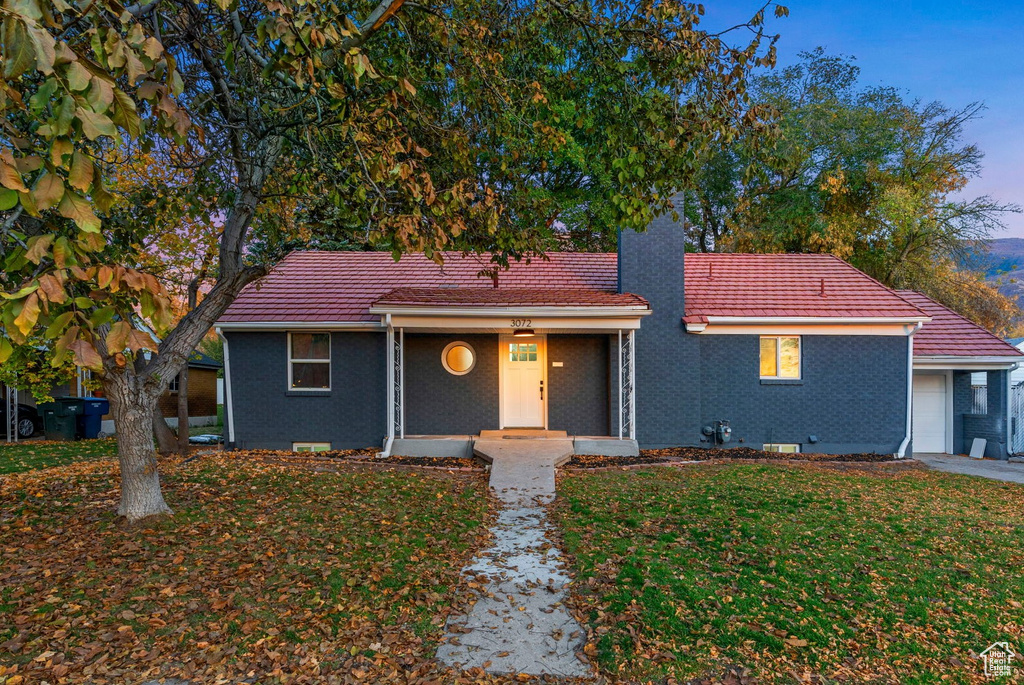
x: 523, y: 333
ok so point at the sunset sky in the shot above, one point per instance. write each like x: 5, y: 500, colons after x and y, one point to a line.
x: 957, y: 52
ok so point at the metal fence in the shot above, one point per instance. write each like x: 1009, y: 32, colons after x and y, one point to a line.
x: 11, y: 413
x: 1017, y: 419
x: 980, y: 395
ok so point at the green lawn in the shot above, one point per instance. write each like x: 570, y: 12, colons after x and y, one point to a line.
x: 36, y: 454
x: 271, y: 573
x: 795, y: 572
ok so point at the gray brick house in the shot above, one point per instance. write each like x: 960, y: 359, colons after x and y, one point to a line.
x: 649, y: 347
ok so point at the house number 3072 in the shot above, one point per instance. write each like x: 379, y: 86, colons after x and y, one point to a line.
x: 522, y: 323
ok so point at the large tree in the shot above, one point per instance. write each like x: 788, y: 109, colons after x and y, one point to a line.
x: 860, y: 172
x: 427, y: 125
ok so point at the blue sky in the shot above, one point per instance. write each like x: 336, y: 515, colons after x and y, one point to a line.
x: 954, y: 51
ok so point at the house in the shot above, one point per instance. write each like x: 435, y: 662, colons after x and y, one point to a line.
x: 202, y: 395
x: 649, y: 347
x: 948, y: 351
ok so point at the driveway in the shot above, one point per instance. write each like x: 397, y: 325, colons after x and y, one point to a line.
x: 986, y: 468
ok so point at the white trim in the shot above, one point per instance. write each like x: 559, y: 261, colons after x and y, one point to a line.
x: 782, y: 326
x: 980, y: 363
x: 291, y: 386
x: 502, y: 323
x: 778, y: 359
x: 567, y: 311
x: 229, y: 413
x: 949, y: 411
x: 312, y: 446
x: 618, y: 370
x: 767, y: 447
x: 324, y: 326
x: 902, y: 451
x: 444, y: 357
x: 776, y: 320
x: 389, y: 439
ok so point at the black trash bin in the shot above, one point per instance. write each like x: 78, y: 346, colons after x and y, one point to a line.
x: 60, y: 418
x: 91, y: 420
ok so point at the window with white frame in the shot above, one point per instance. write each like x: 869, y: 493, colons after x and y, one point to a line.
x: 780, y: 356
x: 311, y: 447
x: 783, y: 447
x: 173, y: 386
x: 309, y: 361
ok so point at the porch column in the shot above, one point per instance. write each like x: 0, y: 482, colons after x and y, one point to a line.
x: 396, y: 383
x: 627, y: 386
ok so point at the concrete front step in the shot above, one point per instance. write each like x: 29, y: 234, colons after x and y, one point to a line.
x: 520, y: 434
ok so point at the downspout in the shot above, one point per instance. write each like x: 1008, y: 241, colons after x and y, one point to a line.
x: 1009, y: 409
x: 229, y: 413
x: 389, y: 441
x: 902, y: 452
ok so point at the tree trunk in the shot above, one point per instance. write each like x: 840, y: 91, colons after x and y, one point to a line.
x: 183, y: 410
x: 166, y: 440
x: 133, y: 411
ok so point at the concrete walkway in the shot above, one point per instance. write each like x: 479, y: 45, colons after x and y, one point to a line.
x: 986, y: 468
x: 519, y: 624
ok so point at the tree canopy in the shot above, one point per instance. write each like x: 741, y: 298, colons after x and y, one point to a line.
x: 426, y: 126
x: 859, y: 172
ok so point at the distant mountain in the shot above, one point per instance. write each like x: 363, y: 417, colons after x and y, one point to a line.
x: 1003, y: 265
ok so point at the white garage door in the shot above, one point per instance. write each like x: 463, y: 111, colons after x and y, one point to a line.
x: 929, y: 413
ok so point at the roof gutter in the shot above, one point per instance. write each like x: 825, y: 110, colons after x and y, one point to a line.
x: 300, y: 325
x: 901, y: 453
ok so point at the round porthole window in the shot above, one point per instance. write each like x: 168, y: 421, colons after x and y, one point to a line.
x: 458, y: 358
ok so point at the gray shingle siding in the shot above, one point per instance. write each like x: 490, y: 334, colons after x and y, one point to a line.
x: 439, y: 403
x: 852, y: 395
x: 266, y: 415
x: 578, y: 390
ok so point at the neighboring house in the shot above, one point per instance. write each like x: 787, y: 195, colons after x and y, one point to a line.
x: 202, y: 395
x: 650, y: 347
x: 948, y: 351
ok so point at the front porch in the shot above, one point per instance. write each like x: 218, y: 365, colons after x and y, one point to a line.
x: 466, y: 445
x: 492, y: 369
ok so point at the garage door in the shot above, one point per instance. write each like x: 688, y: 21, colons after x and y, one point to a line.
x: 929, y: 413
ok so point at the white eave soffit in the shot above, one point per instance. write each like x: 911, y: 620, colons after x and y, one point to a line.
x: 806, y: 325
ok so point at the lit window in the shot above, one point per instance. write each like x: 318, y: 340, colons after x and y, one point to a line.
x: 780, y: 356
x: 311, y: 447
x: 783, y: 447
x: 458, y: 358
x: 309, y: 361
x: 522, y: 352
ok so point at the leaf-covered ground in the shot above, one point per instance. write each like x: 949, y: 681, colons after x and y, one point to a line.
x: 795, y: 572
x: 41, y: 454
x: 276, y: 574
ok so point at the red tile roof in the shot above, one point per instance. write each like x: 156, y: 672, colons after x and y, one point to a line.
x: 950, y: 335
x: 785, y: 285
x: 507, y: 297
x: 341, y: 286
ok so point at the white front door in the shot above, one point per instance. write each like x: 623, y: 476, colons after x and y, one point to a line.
x: 522, y: 382
x: 929, y: 414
